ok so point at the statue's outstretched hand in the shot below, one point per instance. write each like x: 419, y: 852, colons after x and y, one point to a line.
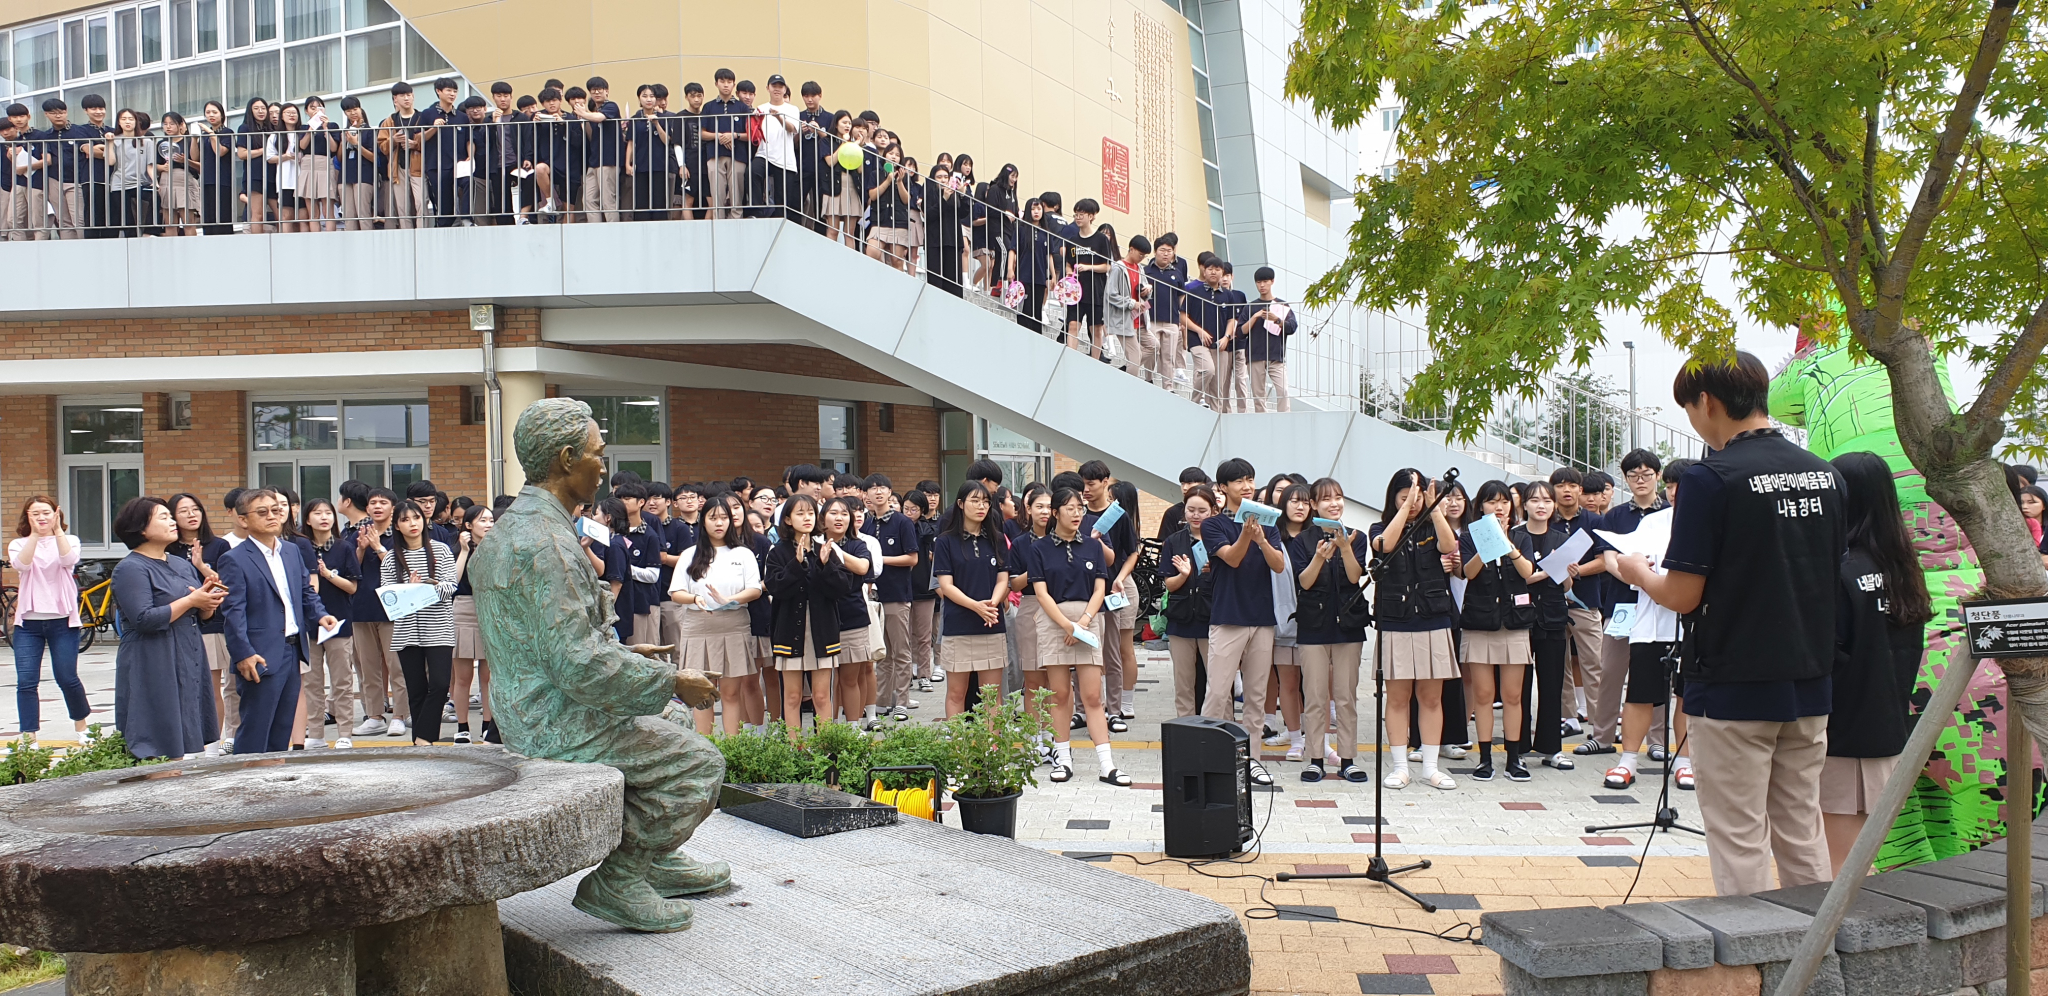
x: 697, y: 689
x: 652, y: 650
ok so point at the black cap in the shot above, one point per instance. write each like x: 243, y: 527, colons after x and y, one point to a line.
x: 1262, y: 273
x: 777, y: 80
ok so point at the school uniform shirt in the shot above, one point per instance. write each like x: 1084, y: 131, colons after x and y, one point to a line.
x: 812, y: 149
x: 365, y: 606
x: 895, y: 535
x: 1208, y: 307
x: 323, y: 142
x: 449, y: 141
x: 723, y: 117
x: 67, y: 145
x: 974, y: 563
x: 618, y: 563
x: 646, y: 542
x: 650, y: 147
x: 760, y: 611
x: 1267, y: 342
x: 1243, y: 595
x: 1301, y: 551
x: 1068, y: 570
x: 358, y: 164
x: 605, y: 141
x: 1181, y: 543
x: 1235, y: 302
x: 733, y: 569
x: 1035, y: 260
x: 1169, y: 288
x: 1122, y: 539
x: 922, y: 587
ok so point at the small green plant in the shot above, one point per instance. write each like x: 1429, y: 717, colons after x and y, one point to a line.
x: 839, y: 755
x: 992, y: 748
x: 908, y: 744
x: 28, y: 761
x: 767, y: 756
x: 21, y: 966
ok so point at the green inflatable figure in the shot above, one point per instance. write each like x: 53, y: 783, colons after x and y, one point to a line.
x: 1846, y: 406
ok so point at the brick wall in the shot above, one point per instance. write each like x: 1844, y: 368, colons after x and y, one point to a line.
x: 807, y: 361
x: 455, y: 452
x: 28, y: 453
x: 208, y: 459
x: 907, y: 455
x: 715, y: 435
x: 221, y: 335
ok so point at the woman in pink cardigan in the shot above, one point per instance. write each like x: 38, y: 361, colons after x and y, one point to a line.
x: 45, y: 612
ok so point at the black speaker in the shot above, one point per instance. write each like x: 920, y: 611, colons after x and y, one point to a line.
x: 1208, y: 787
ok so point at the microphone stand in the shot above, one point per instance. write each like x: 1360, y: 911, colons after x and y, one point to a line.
x: 1377, y: 869
x: 1666, y: 818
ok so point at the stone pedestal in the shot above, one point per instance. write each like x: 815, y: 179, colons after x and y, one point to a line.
x: 458, y: 951
x: 318, y: 964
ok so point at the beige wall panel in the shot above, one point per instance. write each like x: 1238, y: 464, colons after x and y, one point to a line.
x: 845, y: 89
x: 958, y: 128
x: 899, y: 42
x: 626, y: 30
x: 714, y: 29
x: 1051, y: 45
x: 956, y: 58
x: 1052, y: 110
x: 826, y: 32
x: 1001, y: 98
x: 905, y: 109
x: 961, y: 15
x: 559, y: 44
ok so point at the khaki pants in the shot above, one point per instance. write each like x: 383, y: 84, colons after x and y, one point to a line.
x: 408, y: 207
x: 1605, y: 685
x: 1113, y: 663
x: 1584, y: 638
x: 1202, y: 373
x: 924, y: 622
x: 1158, y: 354
x: 1232, y: 380
x: 70, y: 210
x: 329, y: 685
x: 1263, y: 373
x: 1188, y: 654
x: 378, y: 675
x: 14, y: 213
x: 359, y: 207
x: 727, y: 186
x: 1233, y: 650
x: 892, y: 672
x: 1759, y: 788
x: 601, y: 193
x: 646, y: 629
x: 1329, y: 673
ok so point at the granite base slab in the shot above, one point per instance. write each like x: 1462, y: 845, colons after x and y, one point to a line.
x: 913, y: 908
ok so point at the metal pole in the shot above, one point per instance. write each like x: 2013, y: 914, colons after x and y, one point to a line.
x: 1820, y: 937
x: 2019, y: 859
x: 1634, y: 431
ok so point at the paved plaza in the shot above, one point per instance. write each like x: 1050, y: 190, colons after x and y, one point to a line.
x: 1496, y: 845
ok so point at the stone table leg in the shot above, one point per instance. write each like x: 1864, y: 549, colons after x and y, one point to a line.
x: 457, y: 951
x: 320, y: 964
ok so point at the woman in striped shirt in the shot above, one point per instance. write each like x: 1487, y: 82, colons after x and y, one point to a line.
x: 425, y: 640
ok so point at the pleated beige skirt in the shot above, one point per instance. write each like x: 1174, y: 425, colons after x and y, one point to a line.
x: 1025, y: 625
x: 1419, y: 656
x: 1497, y: 646
x: 716, y: 643
x: 469, y: 640
x: 1053, y: 650
x: 981, y: 652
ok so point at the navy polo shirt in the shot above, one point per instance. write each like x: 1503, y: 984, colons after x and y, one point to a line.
x: 442, y: 151
x: 650, y: 153
x: 1207, y: 307
x: 365, y: 606
x: 1068, y: 570
x: 605, y: 140
x: 1168, y: 289
x: 1243, y: 595
x: 897, y: 536
x: 1122, y: 539
x: 723, y: 117
x: 974, y: 564
x: 646, y: 544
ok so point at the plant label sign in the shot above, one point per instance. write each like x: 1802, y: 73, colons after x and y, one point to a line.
x: 2007, y: 627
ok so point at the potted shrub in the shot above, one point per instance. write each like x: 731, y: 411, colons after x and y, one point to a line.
x: 991, y: 754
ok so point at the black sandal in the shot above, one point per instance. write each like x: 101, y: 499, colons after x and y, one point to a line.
x: 1060, y: 772
x: 1259, y: 774
x: 1117, y: 778
x: 1313, y: 772
x: 1353, y: 773
x: 1117, y: 725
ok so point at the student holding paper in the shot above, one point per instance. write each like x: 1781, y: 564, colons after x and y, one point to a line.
x: 1548, y: 637
x: 1283, y: 687
x: 1114, y: 521
x: 1414, y: 612
x: 1069, y: 575
x: 1244, y: 556
x: 714, y: 582
x: 1496, y: 617
x: 1184, y: 566
x: 1653, y: 632
x: 425, y: 640
x: 1639, y: 470
x: 1328, y: 566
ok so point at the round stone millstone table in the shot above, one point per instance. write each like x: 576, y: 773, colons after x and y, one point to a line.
x: 337, y: 873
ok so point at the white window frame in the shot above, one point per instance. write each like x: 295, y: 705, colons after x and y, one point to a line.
x: 112, y: 546
x: 851, y: 453
x: 655, y: 454
x: 340, y: 457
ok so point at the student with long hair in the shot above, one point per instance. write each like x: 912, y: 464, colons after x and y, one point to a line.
x: 1883, y: 608
x: 425, y: 640
x: 1550, y: 633
x: 970, y: 562
x: 43, y: 555
x: 1414, y: 613
x: 1329, y: 566
x: 1069, y: 576
x: 472, y: 665
x: 329, y: 685
x: 1283, y: 687
x: 318, y: 146
x: 715, y: 581
x: 259, y: 181
x: 807, y: 577
x: 1034, y: 525
x: 1035, y: 264
x: 839, y: 523
x: 1457, y: 729
x: 131, y: 155
x: 1189, y: 585
x: 762, y: 690
x: 2033, y: 508
x: 1495, y: 623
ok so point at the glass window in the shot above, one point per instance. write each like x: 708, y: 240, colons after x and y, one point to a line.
x: 192, y: 87
x: 266, y: 20
x: 145, y: 93
x: 208, y: 15
x: 6, y: 66
x: 124, y: 484
x: 370, y: 472
x: 403, y: 474
x: 102, y: 429
x: 1207, y: 120
x: 420, y: 57
x: 182, y: 38
x: 644, y: 468
x: 1001, y: 440
x: 1216, y: 219
x: 74, y: 49
x: 275, y: 475
x: 626, y: 421
x: 376, y: 105
x: 35, y: 57
x: 379, y: 425
x: 293, y: 425
x: 369, y: 13
x: 252, y: 76
x: 1213, y: 179
x: 1198, y: 50
x: 152, y: 34
x: 312, y: 69
x: 127, y: 39
x: 956, y: 430
x: 1220, y: 244
x: 373, y: 59
x: 305, y: 19
x: 88, y: 500
x: 74, y: 98
x: 1202, y: 88
x: 96, y: 44
x: 835, y: 436
x: 316, y: 481
x: 240, y: 26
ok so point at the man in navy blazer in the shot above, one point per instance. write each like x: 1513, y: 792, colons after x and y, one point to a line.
x: 267, y: 607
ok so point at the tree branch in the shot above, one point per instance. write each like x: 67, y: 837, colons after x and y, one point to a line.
x: 1879, y: 254
x: 2002, y: 384
x: 1891, y: 287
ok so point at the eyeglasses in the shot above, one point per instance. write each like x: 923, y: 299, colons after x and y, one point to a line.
x: 1641, y: 474
x: 266, y: 511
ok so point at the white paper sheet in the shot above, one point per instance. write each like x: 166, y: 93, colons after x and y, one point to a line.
x: 1566, y: 554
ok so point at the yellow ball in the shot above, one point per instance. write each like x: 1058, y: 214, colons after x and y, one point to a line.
x: 850, y: 156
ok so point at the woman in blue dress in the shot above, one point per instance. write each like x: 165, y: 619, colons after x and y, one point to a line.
x: 163, y: 692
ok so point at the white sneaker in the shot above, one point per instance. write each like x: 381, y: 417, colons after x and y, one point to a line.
x: 1454, y: 751
x: 344, y: 744
x: 476, y: 700
x: 1280, y: 739
x: 370, y: 727
x: 1415, y: 755
x: 227, y: 745
x: 938, y: 674
x: 912, y: 703
x: 396, y: 729
x: 315, y: 743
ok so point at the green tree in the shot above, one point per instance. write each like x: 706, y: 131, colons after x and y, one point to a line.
x: 1876, y: 171
x: 1579, y: 428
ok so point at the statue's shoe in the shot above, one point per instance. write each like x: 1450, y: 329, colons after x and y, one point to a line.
x: 636, y: 906
x: 678, y: 874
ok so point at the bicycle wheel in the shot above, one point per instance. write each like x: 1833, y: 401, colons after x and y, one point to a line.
x: 7, y: 615
x: 86, y: 635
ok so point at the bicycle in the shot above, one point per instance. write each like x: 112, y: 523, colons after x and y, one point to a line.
x: 95, y: 604
x: 7, y: 596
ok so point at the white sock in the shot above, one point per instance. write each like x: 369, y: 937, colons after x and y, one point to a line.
x: 1297, y: 738
x: 1429, y: 752
x: 1580, y: 691
x: 1628, y: 760
x: 1681, y: 761
x: 869, y: 712
x: 1063, y: 753
x: 1102, y: 758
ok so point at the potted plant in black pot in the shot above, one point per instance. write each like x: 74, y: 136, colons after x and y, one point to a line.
x: 991, y: 755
